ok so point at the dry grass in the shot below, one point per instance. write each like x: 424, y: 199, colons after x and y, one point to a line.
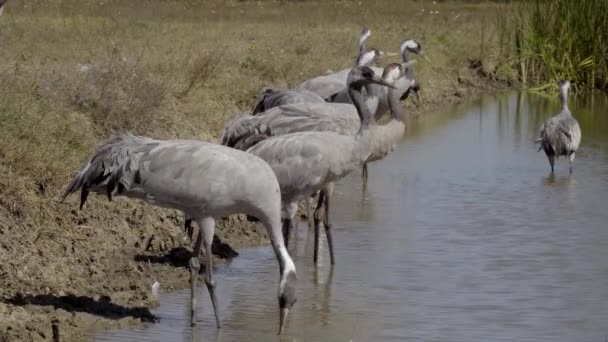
x: 72, y: 72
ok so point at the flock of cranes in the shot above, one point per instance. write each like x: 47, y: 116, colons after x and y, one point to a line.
x: 295, y: 143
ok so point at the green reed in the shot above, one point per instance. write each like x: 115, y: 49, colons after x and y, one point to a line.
x: 542, y: 41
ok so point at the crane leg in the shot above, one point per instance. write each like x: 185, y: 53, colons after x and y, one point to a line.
x: 291, y: 210
x: 207, y: 226
x: 364, y: 173
x: 188, y: 227
x: 194, y: 267
x: 571, y: 160
x: 309, y: 211
x: 327, y: 224
x: 286, y: 230
x: 551, y: 161
x: 318, y: 216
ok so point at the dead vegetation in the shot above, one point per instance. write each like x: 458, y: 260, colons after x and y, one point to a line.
x: 73, y: 72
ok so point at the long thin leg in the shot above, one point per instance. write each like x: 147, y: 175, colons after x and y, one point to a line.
x: 571, y: 159
x: 188, y: 227
x: 194, y: 267
x: 291, y: 209
x: 551, y: 161
x: 318, y: 216
x: 309, y: 211
x: 207, y: 226
x: 286, y: 230
x: 327, y: 224
x: 364, y: 173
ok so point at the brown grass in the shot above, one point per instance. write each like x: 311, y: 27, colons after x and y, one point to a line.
x: 72, y: 72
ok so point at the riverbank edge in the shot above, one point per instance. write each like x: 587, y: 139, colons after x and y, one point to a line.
x: 116, y: 292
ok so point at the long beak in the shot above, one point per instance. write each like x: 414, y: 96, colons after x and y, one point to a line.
x: 391, y: 54
x: 378, y: 80
x: 283, y: 319
x: 423, y: 55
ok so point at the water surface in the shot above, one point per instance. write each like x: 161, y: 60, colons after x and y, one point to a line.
x: 461, y: 235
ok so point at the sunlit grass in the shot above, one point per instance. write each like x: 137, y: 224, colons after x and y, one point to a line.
x: 544, y: 41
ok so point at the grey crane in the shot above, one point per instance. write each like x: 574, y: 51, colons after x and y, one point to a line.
x: 306, y: 162
x: 560, y: 135
x: 404, y: 83
x: 245, y: 130
x: 270, y: 98
x: 327, y: 85
x: 203, y: 180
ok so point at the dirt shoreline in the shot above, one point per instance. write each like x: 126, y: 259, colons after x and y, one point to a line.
x: 99, y: 273
x: 167, y: 69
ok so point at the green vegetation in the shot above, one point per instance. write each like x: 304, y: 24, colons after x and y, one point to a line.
x: 543, y: 41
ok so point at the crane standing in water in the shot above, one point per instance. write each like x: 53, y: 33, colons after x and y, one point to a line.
x: 203, y: 180
x: 306, y: 162
x: 560, y: 135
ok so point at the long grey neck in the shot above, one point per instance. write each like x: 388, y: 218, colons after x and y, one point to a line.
x: 356, y: 95
x: 397, y: 112
x: 563, y: 97
x: 409, y: 73
x: 362, y: 46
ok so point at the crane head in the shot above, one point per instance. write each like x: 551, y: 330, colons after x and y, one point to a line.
x: 412, y: 46
x: 369, y: 57
x: 287, y: 296
x: 365, y: 34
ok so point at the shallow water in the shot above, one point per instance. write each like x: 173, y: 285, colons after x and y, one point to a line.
x: 461, y: 235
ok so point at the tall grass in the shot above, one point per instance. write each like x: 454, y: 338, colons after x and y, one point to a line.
x: 545, y: 40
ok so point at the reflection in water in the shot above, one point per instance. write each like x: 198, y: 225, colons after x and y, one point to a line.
x: 462, y: 235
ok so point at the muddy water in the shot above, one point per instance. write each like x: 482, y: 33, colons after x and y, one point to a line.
x: 461, y: 235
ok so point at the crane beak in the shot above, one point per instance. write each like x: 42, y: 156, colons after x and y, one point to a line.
x: 283, y: 319
x: 423, y: 55
x: 391, y: 54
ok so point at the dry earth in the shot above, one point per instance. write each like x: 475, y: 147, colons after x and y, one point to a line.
x: 72, y: 72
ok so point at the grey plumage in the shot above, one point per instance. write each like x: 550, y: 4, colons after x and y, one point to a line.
x: 328, y: 85
x: 205, y: 181
x: 241, y: 128
x: 306, y: 117
x: 406, y: 84
x: 306, y: 162
x: 560, y: 135
x: 271, y: 98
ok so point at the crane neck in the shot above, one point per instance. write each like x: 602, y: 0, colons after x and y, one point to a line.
x: 563, y: 97
x: 397, y: 112
x: 405, y: 55
x: 286, y: 264
x: 362, y: 45
x: 409, y: 72
x: 356, y: 95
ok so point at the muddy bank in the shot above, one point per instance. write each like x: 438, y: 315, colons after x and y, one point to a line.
x: 97, y: 271
x: 168, y: 71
